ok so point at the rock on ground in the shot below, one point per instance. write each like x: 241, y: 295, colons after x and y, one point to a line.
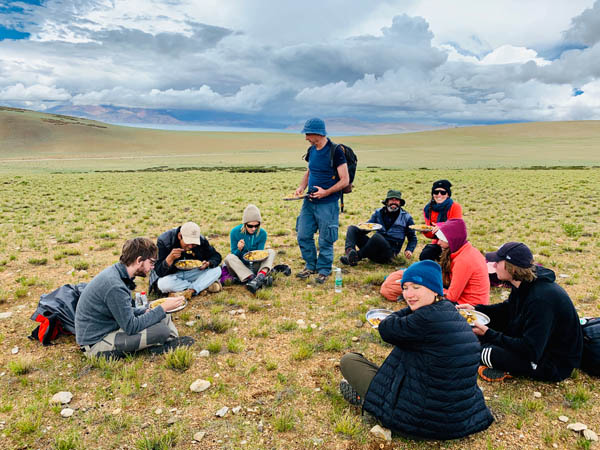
x: 67, y: 412
x: 199, y: 385
x: 590, y: 435
x: 577, y: 426
x: 222, y: 411
x: 63, y: 397
x: 381, y: 433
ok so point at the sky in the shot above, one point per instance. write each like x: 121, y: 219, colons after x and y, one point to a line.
x: 273, y: 63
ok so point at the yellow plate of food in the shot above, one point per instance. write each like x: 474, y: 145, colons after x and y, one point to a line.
x: 160, y: 301
x: 256, y: 255
x: 375, y: 316
x: 421, y: 228
x: 474, y: 316
x: 295, y: 197
x: 366, y: 226
x: 188, y: 264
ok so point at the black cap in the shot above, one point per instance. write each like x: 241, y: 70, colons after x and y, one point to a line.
x: 442, y: 184
x: 515, y: 253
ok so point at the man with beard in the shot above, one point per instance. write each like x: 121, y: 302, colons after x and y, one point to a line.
x: 386, y: 242
x: 107, y: 324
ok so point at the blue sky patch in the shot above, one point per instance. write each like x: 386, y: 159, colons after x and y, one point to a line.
x: 9, y: 33
x: 576, y: 92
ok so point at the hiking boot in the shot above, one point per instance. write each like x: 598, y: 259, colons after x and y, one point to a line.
x: 321, y: 278
x: 215, y: 287
x: 488, y: 374
x: 256, y: 283
x: 303, y: 275
x: 353, y: 257
x: 171, y: 344
x: 350, y: 394
x: 187, y: 294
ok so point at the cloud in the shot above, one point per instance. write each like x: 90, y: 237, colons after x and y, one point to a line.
x: 585, y: 28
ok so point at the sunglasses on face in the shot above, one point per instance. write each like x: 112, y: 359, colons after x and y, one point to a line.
x: 252, y: 226
x: 439, y: 192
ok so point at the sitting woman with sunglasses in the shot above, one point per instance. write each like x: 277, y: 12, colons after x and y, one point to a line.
x: 440, y: 208
x: 247, y: 237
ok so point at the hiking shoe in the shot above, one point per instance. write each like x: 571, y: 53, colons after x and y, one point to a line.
x: 256, y: 283
x: 171, y: 344
x: 321, y: 278
x: 488, y: 374
x: 187, y: 294
x: 349, y: 394
x: 305, y: 274
x: 347, y: 260
x: 215, y: 287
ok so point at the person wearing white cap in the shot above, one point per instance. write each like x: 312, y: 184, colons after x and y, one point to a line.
x: 185, y: 243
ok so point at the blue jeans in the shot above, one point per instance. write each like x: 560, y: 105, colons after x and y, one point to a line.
x: 322, y: 217
x: 195, y: 279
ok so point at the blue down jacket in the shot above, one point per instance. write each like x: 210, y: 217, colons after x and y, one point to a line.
x: 427, y: 386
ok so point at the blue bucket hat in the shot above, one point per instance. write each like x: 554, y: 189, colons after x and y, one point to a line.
x: 426, y: 273
x: 314, y: 126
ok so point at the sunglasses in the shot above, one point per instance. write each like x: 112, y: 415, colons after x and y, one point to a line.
x: 252, y: 226
x: 439, y: 192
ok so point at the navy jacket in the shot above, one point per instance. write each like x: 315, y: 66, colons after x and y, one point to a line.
x: 427, y: 386
x: 167, y: 242
x: 399, y: 230
x: 540, y: 323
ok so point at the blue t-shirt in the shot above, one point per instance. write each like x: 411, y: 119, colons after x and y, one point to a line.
x: 320, y: 171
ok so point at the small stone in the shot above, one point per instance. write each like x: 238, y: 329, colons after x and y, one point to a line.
x: 67, y: 412
x: 172, y: 420
x: 158, y: 411
x: 522, y: 436
x: 5, y: 315
x: 236, y: 410
x: 199, y: 385
x: 63, y: 397
x: 358, y: 324
x: 381, y: 433
x: 301, y: 324
x: 222, y: 411
x: 354, y: 339
x: 191, y: 323
x: 116, y: 412
x: 242, y: 316
x: 199, y: 436
x: 145, y: 385
x: 233, y: 312
x: 563, y: 275
x: 317, y: 442
x: 590, y: 435
x: 537, y: 394
x: 15, y: 350
x: 577, y: 426
x: 555, y: 445
x: 145, y: 425
x: 317, y: 389
x: 313, y: 325
x: 260, y: 427
x: 564, y: 419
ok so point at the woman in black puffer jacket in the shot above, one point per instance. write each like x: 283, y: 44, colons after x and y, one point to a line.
x: 427, y: 386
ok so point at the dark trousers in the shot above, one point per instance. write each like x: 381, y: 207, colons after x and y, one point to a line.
x: 515, y: 364
x: 431, y: 252
x: 376, y: 248
x: 358, y: 372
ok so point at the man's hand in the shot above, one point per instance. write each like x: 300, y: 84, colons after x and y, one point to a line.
x: 408, y: 254
x: 172, y: 302
x: 174, y: 255
x: 204, y: 265
x: 479, y: 329
x: 240, y: 245
x: 319, y: 193
x: 298, y: 192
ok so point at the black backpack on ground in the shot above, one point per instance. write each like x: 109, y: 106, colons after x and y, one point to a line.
x: 590, y: 361
x: 351, y: 160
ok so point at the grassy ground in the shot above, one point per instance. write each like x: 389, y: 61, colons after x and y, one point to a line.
x: 65, y: 228
x: 45, y: 142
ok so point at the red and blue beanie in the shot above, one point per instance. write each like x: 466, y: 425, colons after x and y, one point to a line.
x: 426, y: 273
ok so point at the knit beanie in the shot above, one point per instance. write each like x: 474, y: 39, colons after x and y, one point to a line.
x: 454, y: 232
x: 426, y: 273
x: 251, y: 214
x: 442, y: 184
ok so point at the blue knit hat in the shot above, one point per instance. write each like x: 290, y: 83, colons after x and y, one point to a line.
x: 426, y: 273
x: 314, y: 126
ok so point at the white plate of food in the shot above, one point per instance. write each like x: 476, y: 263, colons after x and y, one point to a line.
x: 421, y: 228
x: 375, y: 316
x: 473, y: 316
x: 160, y: 301
x: 367, y: 226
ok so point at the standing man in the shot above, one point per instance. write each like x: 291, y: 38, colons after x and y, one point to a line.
x: 387, y: 242
x: 325, y: 177
x: 536, y: 332
x: 107, y: 324
x: 186, y: 243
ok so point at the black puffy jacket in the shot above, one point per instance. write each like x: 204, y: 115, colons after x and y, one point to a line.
x: 427, y: 386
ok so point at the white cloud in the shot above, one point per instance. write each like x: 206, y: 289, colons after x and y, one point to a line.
x: 33, y: 93
x: 509, y: 54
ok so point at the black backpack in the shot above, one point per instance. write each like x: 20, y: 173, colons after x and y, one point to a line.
x: 590, y: 361
x: 351, y: 160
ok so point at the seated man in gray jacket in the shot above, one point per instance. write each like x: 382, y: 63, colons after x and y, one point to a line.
x: 106, y: 322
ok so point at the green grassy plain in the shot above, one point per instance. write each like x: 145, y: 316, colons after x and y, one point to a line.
x: 59, y: 228
x: 32, y: 141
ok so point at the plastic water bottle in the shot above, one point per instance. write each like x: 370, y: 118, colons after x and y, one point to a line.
x: 138, y: 300
x: 144, y: 299
x: 338, y: 279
